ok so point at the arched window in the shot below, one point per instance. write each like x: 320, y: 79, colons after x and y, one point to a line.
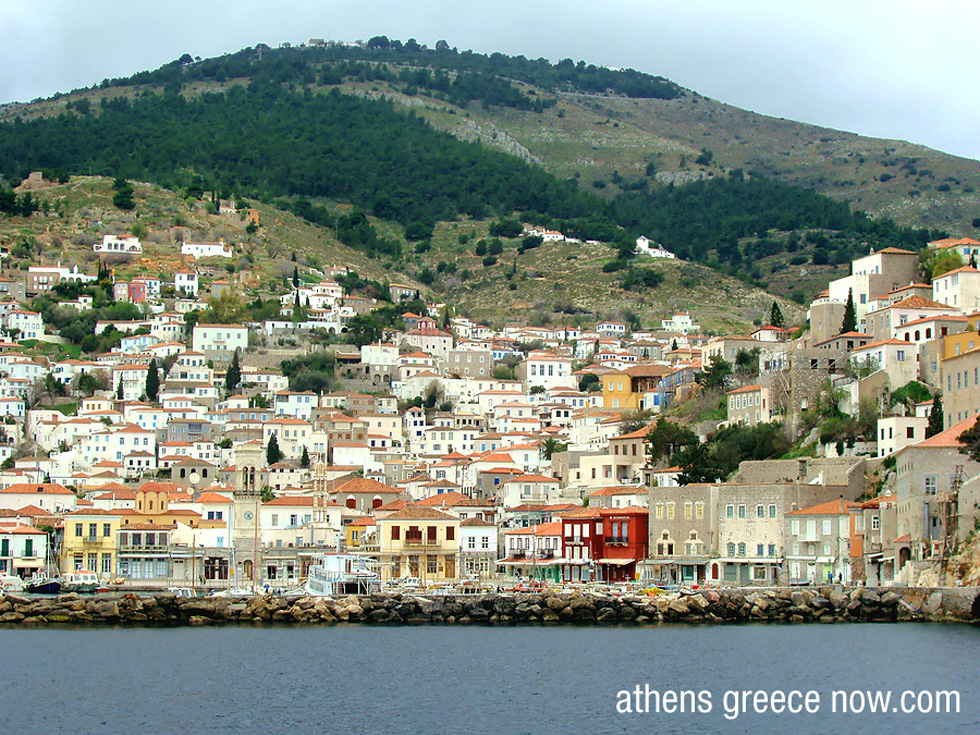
x: 731, y: 548
x: 741, y: 549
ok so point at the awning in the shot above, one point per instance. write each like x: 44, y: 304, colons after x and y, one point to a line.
x: 825, y: 560
x: 529, y: 562
x: 617, y: 562
x: 877, y: 555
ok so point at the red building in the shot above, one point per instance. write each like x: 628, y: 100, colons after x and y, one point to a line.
x: 604, y: 544
x: 625, y: 541
x: 137, y: 291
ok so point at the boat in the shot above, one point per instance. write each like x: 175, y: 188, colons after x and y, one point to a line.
x: 341, y: 574
x: 80, y: 580
x: 43, y: 585
x: 11, y: 583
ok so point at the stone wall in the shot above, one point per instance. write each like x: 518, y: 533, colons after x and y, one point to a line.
x: 792, y: 605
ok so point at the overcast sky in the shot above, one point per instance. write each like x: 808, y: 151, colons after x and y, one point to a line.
x: 905, y: 69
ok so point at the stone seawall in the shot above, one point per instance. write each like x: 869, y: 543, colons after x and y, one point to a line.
x: 797, y: 605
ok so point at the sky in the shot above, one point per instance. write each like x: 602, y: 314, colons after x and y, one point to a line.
x: 905, y: 69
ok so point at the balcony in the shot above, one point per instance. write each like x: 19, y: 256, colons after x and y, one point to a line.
x: 413, y: 541
x: 617, y: 540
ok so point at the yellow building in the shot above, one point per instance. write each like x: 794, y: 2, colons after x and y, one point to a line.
x: 90, y: 541
x: 625, y: 388
x: 362, y: 535
x: 419, y: 542
x: 960, y: 343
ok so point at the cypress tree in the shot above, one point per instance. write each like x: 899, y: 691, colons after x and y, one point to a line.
x: 152, y: 388
x: 776, y: 316
x: 304, y: 461
x: 936, y: 418
x: 849, y: 324
x: 234, y: 375
x: 272, y: 452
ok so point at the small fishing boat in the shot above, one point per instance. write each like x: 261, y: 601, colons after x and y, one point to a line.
x: 42, y: 585
x: 80, y: 580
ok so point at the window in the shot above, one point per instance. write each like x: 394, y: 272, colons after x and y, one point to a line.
x: 471, y: 543
x: 760, y: 511
x: 699, y: 510
x: 485, y: 542
x: 78, y: 530
x: 930, y: 485
x: 730, y: 511
x: 106, y: 530
x: 794, y: 527
x: 450, y: 533
x: 688, y: 510
x: 827, y: 527
x: 741, y: 548
x: 395, y: 533
x: 759, y: 549
x: 731, y: 549
x: 741, y: 511
x: 432, y: 534
x: 772, y: 510
x: 670, y: 510
x: 431, y: 562
x: 875, y: 523
x: 772, y: 549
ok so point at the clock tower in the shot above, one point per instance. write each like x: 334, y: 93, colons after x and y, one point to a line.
x: 247, y: 518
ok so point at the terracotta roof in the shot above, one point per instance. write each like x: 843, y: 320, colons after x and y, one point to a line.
x: 917, y: 302
x: 831, y: 507
x: 543, y: 529
x: 618, y: 490
x: 421, y: 513
x: 39, y: 488
x: 363, y: 485
x: 949, y: 437
x: 745, y: 389
x: 394, y: 505
x: 477, y: 522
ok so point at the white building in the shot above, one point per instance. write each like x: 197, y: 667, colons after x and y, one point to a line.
x: 198, y: 250
x: 27, y: 324
x: 220, y: 338
x: 186, y: 282
x: 645, y: 246
x: 898, y: 432
x: 127, y: 244
x: 680, y: 322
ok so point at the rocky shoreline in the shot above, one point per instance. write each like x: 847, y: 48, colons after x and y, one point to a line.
x: 713, y: 606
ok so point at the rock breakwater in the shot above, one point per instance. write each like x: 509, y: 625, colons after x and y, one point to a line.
x: 711, y: 606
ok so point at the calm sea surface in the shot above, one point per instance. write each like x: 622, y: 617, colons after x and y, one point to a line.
x: 472, y: 680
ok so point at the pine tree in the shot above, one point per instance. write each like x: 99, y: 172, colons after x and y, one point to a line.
x: 152, y: 388
x: 936, y: 418
x: 849, y: 324
x: 304, y: 461
x: 776, y: 316
x: 234, y: 375
x: 272, y: 452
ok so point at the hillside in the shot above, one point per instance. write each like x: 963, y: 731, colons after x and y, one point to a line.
x: 599, y: 154
x: 543, y: 289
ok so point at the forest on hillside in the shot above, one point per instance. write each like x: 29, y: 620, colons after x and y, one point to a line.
x: 288, y: 146
x: 460, y: 76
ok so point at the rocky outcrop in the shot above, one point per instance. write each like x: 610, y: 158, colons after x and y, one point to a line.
x: 770, y: 605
